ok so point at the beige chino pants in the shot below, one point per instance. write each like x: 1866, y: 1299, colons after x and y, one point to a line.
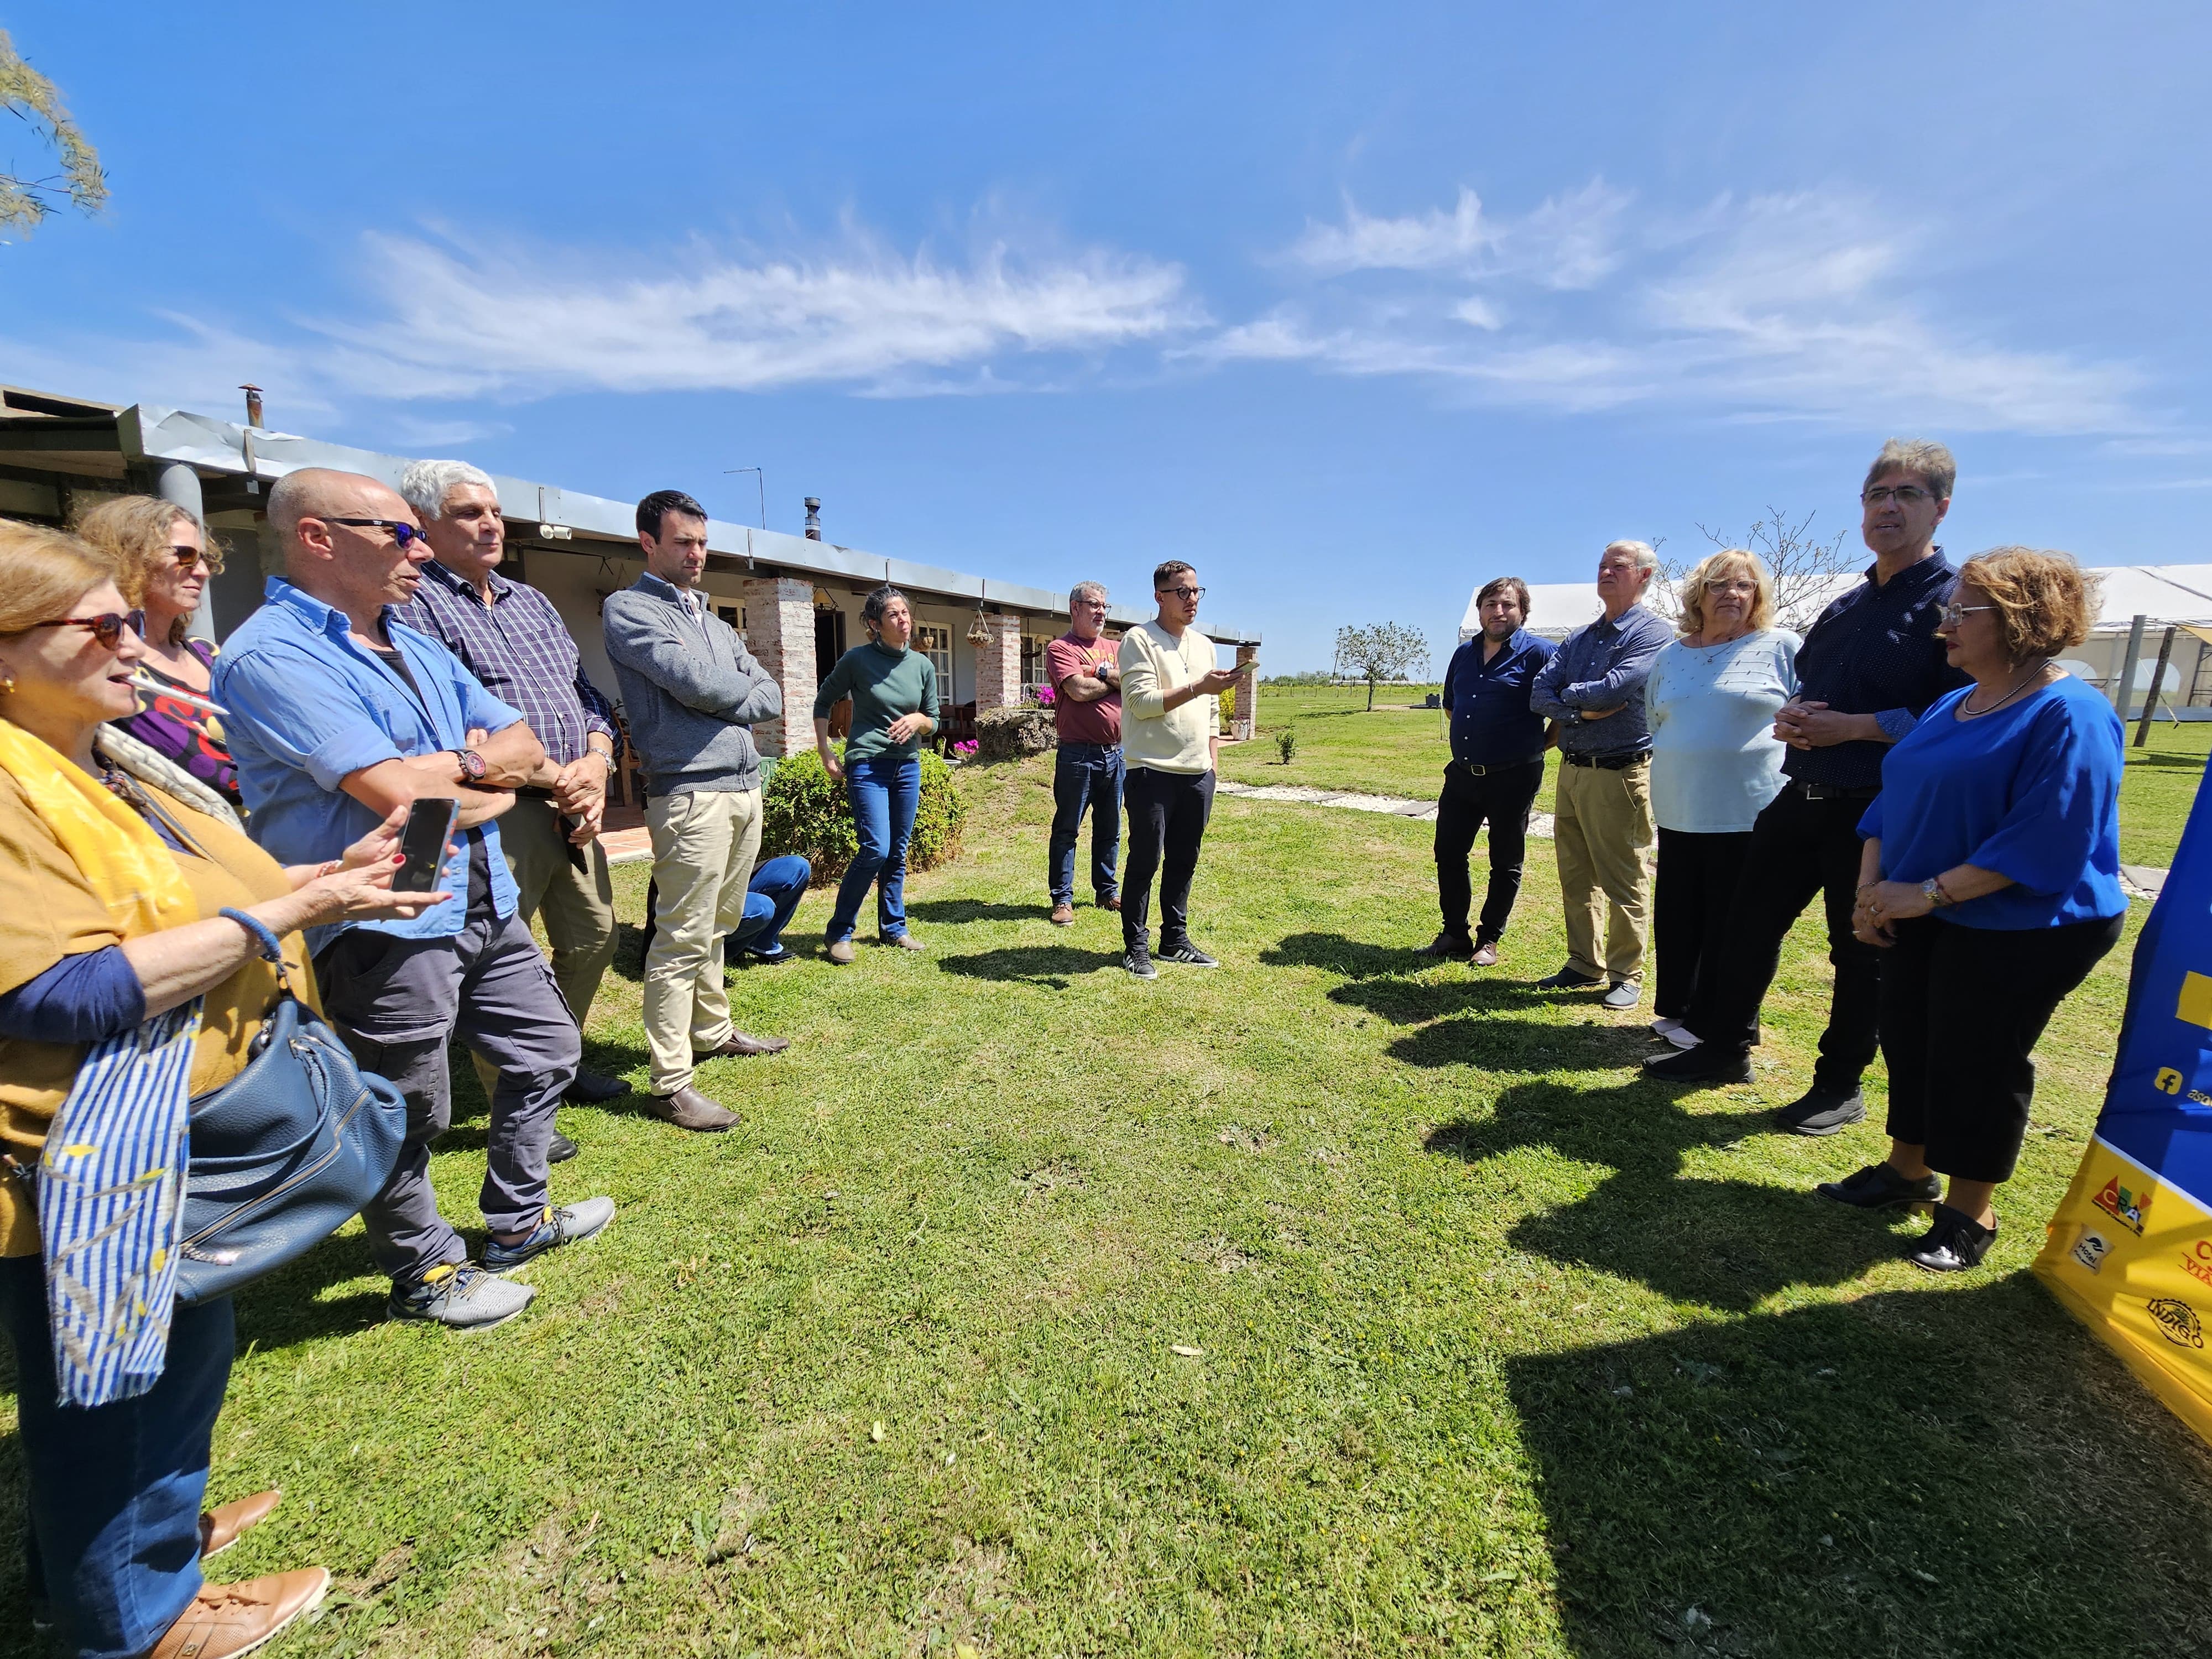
x: 704, y: 846
x: 579, y: 905
x: 1604, y: 835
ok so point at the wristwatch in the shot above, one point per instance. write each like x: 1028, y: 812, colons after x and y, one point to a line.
x: 1932, y: 890
x: 472, y: 764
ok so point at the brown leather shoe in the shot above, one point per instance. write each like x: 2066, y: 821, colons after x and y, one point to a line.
x: 841, y: 953
x: 1114, y: 903
x: 1063, y: 915
x: 738, y: 1043
x: 687, y: 1109
x: 228, y: 1620
x: 902, y: 942
x: 1486, y: 955
x: 221, y: 1528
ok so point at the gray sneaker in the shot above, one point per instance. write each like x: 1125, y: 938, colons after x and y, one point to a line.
x: 461, y: 1296
x: 1622, y: 993
x: 572, y: 1224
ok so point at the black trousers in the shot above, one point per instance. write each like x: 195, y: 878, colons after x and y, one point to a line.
x: 1500, y: 797
x: 1961, y: 1009
x: 1696, y: 888
x: 1167, y: 813
x: 1798, y: 848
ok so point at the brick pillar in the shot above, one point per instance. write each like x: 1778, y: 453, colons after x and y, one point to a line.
x: 779, y: 633
x: 1247, y: 720
x: 998, y: 663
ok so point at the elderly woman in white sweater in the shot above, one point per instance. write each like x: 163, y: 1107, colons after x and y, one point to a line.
x: 1715, y: 760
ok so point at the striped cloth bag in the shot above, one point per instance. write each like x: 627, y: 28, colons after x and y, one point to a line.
x: 111, y: 1209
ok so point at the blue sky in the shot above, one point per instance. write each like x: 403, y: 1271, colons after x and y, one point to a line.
x: 1353, y: 307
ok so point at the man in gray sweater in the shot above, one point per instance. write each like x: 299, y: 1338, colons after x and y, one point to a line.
x: 691, y: 692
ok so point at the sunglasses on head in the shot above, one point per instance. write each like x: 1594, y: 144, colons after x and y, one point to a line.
x: 107, y: 627
x: 404, y: 535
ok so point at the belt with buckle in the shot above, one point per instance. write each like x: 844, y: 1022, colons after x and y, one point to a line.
x: 1474, y: 771
x: 1836, y: 792
x: 1610, y: 763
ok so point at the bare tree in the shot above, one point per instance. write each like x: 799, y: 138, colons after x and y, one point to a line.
x: 37, y: 102
x: 1386, y: 651
x: 1805, y: 567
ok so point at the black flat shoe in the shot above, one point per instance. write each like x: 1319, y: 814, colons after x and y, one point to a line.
x: 1956, y: 1242
x: 562, y: 1150
x: 1706, y: 1063
x: 1878, y: 1186
x: 1453, y: 947
x: 1822, y: 1112
x: 1568, y: 979
x: 590, y: 1089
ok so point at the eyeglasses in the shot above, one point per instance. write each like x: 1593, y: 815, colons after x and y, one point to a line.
x: 1953, y: 614
x: 404, y: 535
x: 108, y: 627
x: 187, y: 557
x: 1903, y: 495
x: 1187, y: 595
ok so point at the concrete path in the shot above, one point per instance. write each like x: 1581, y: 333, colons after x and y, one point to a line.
x: 1540, y: 824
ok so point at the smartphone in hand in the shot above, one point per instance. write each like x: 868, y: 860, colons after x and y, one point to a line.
x: 423, y: 840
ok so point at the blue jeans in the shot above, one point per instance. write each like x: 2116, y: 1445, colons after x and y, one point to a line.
x: 884, y: 791
x: 1086, y: 775
x: 771, y: 896
x: 115, y: 1491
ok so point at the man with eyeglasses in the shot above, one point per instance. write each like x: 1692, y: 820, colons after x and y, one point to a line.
x: 1170, y: 732
x: 339, y: 715
x: 1868, y: 668
x: 513, y: 639
x: 1086, y: 676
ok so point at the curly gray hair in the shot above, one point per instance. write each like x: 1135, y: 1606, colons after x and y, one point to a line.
x: 424, y: 483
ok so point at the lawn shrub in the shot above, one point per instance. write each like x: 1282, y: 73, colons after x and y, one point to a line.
x: 1228, y: 710
x: 804, y: 811
x: 1286, y: 742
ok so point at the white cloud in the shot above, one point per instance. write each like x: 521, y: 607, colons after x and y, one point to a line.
x: 1799, y: 307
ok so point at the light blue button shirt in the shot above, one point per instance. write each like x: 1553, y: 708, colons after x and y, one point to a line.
x: 309, y: 705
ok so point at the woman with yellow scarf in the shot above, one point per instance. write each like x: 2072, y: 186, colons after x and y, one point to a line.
x: 137, y: 939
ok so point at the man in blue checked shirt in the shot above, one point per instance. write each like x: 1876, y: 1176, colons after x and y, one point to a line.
x: 339, y: 715
x: 511, y: 638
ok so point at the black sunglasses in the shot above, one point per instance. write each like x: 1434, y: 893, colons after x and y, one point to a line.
x: 403, y: 534
x: 108, y: 627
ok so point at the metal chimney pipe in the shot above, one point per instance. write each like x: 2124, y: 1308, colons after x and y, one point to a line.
x: 252, y: 404
x: 813, y: 518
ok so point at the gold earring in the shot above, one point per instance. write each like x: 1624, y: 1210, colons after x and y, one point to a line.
x: 7, y: 682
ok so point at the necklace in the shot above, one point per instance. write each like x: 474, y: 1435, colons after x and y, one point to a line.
x: 1969, y: 713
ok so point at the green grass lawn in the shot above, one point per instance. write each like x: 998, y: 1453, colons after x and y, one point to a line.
x: 1498, y: 1349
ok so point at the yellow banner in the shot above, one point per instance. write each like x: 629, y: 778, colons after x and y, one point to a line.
x: 2131, y: 1257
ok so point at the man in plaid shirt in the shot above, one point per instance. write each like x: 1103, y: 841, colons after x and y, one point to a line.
x: 513, y: 639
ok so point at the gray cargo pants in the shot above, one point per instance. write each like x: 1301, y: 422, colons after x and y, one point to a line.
x: 397, y: 1002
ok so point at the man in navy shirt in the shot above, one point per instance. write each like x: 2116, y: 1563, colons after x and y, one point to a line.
x: 1496, y: 765
x: 1593, y: 685
x: 1868, y: 669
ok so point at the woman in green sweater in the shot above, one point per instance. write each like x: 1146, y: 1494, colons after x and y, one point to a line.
x: 894, y: 693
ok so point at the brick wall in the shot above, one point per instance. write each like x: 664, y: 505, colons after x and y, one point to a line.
x: 998, y: 663
x: 779, y: 633
x: 1248, y: 692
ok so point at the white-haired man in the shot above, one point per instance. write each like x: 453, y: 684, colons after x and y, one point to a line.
x: 1593, y: 685
x: 340, y: 715
x: 514, y: 640
x: 1086, y: 768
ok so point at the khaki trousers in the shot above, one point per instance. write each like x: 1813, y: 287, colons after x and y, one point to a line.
x: 579, y: 906
x: 704, y: 846
x: 1604, y: 836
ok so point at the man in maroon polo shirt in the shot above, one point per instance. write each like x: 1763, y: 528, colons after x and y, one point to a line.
x: 1086, y: 774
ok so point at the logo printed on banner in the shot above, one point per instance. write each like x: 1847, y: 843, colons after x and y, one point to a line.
x: 2176, y: 1322
x: 2167, y: 1081
x: 2195, y: 1003
x: 2123, y: 1206
x: 2197, y: 1264
x: 2090, y: 1250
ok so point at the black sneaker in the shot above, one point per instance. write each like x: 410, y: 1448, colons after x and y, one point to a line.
x: 1820, y: 1111
x: 1878, y: 1186
x: 1137, y: 959
x: 561, y: 1149
x: 1189, y: 955
x: 1956, y: 1242
x: 1568, y: 979
x: 1453, y: 947
x: 1706, y: 1063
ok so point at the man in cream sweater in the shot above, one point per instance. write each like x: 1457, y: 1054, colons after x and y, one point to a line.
x: 1170, y: 727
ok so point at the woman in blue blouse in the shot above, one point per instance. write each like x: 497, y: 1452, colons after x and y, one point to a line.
x: 1991, y: 876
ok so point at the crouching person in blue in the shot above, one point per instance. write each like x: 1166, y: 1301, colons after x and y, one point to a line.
x: 339, y: 716
x: 772, y: 897
x: 1990, y: 882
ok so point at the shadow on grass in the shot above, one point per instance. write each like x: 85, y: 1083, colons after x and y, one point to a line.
x: 1047, y: 965
x: 1334, y: 952
x: 1940, y: 1472
x: 293, y: 1304
x: 1727, y: 1244
x: 953, y: 911
x: 1503, y: 1044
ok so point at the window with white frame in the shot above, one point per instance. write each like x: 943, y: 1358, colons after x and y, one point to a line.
x: 936, y: 644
